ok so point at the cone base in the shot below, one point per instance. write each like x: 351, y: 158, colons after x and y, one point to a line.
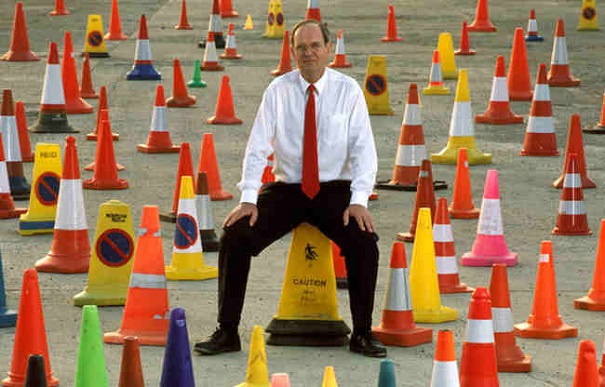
x: 100, y: 298
x: 557, y: 231
x: 465, y: 52
x: 219, y: 195
x: 596, y: 129
x: 214, y: 120
x: 144, y: 148
x: 196, y: 84
x: 54, y: 263
x: 91, y: 167
x: 60, y: 12
x: 588, y: 303
x: 183, y: 27
x: 392, y: 185
x: 521, y: 365
x: 12, y: 56
x: 520, y: 95
x: 52, y: 123
x: 528, y: 331
x: 209, y: 241
x: 169, y: 217
x: 102, y: 184
x: 110, y: 36
x: 157, y: 339
x: 588, y: 28
x: 471, y: 259
x: 405, y: 237
x: 442, y: 314
x: 334, y: 65
x: 213, y: 66
x: 231, y: 14
x: 449, y: 154
x: 230, y: 56
x: 20, y: 196
x: 456, y: 288
x: 472, y: 213
x: 403, y: 337
x: 14, y: 213
x: 78, y: 106
x: 534, y: 38
x: 97, y: 54
x: 388, y: 39
x: 308, y: 333
x: 28, y: 228
x: 436, y: 90
x: 564, y: 82
x: 373, y: 196
x: 94, y: 137
x: 342, y: 283
x: 10, y: 382
x: 498, y: 118
x: 144, y: 72
x: 191, y: 274
x: 481, y: 26
x: 8, y: 318
x: 273, y: 35
x: 587, y: 182
x: 539, y: 152
x: 380, y: 110
x: 186, y: 101
x: 89, y: 94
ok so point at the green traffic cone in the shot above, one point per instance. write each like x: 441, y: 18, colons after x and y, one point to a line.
x: 91, y: 370
x: 196, y: 80
x: 387, y: 374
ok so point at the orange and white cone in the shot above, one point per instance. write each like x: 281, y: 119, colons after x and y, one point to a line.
x: 586, y: 373
x: 532, y: 28
x: 7, y: 206
x: 340, y: 55
x: 74, y: 104
x: 215, y: 25
x: 397, y: 326
x: 158, y: 140
x: 19, y: 187
x: 575, y: 144
x: 540, y: 138
x: 436, y: 85
x: 425, y: 197
x: 70, y: 249
x: 445, y: 368
x: 27, y: 155
x: 230, y: 47
x: 559, y: 74
x: 498, y: 111
x: 210, y: 62
x: 313, y: 10
x: 572, y: 218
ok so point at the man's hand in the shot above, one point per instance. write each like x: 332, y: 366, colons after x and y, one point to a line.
x: 242, y: 210
x: 361, y: 215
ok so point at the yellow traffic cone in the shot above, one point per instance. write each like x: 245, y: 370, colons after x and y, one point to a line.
x: 588, y: 17
x: 462, y: 130
x: 248, y: 25
x: 187, y: 255
x: 257, y: 374
x: 375, y: 86
x: 111, y: 261
x: 424, y: 284
x: 94, y: 43
x: 275, y: 25
x: 329, y: 378
x: 446, y: 52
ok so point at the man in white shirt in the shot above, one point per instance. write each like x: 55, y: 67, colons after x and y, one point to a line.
x: 315, y: 121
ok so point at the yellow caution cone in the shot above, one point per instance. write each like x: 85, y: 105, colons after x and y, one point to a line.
x: 424, y: 284
x: 462, y: 130
x: 375, y: 86
x: 329, y: 378
x: 446, y: 52
x: 257, y: 374
x: 275, y: 25
x: 187, y: 255
x: 588, y: 17
x: 111, y: 261
x: 94, y: 43
x: 248, y: 25
x: 308, y: 309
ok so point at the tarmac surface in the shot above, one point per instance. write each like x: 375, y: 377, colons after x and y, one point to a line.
x: 529, y: 204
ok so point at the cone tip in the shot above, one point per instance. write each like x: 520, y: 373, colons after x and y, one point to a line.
x: 441, y: 213
x: 481, y: 293
x: 541, y: 78
x: 391, y: 8
x: 150, y: 218
x: 445, y: 346
x: 492, y: 189
x: 560, y: 29
x: 546, y: 247
x: 587, y: 346
x: 8, y: 106
x: 500, y: 67
x: 159, y: 96
x: 53, y: 54
x: 532, y: 14
x: 436, y: 56
x: 143, y: 33
x: 186, y: 191
x: 398, y: 259
x: 71, y: 168
x: 230, y: 28
x: 201, y: 184
x: 462, y: 92
x: 210, y: 36
x: 339, y: 34
x: 413, y: 94
x: 178, y: 313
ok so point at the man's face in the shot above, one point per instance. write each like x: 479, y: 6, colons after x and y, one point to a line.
x: 309, y: 51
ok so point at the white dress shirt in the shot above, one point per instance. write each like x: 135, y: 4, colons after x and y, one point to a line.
x: 345, y: 142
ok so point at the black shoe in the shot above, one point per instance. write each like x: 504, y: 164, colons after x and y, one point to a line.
x: 367, y: 345
x: 220, y: 341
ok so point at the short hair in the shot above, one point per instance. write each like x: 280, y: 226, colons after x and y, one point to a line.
x: 322, y: 26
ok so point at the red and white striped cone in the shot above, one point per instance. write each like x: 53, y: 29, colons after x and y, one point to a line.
x: 210, y: 62
x: 204, y: 214
x: 340, y: 55
x: 159, y: 140
x: 143, y: 69
x: 572, y: 218
x: 230, y: 47
x: 445, y: 252
x: 7, y: 206
x: 19, y: 187
x: 215, y: 25
x: 70, y: 248
x: 540, y: 138
x: 397, y: 326
x: 559, y: 74
x: 27, y: 155
x: 575, y: 144
x: 445, y: 368
x: 532, y: 28
x: 478, y: 365
x: 74, y: 104
x: 436, y: 85
x: 313, y: 10
x: 52, y: 117
x: 498, y: 111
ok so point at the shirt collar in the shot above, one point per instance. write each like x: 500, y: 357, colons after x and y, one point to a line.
x: 319, y: 85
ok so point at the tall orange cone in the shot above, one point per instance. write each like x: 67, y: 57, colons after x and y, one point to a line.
x: 595, y: 299
x: 86, y: 89
x: 425, y: 197
x: 498, y: 111
x: 74, y: 104
x: 575, y: 144
x: 102, y: 106
x: 462, y: 206
x: 115, y: 24
x: 540, y: 138
x: 391, y: 33
x: 313, y: 10
x: 70, y: 248
x: 105, y: 176
x: 184, y: 168
x: 19, y: 47
x: 572, y: 219
x: 445, y: 368
x: 544, y: 321
x: 519, y: 83
x: 30, y: 334
x: 586, y: 373
x: 210, y: 62
x: 465, y: 46
x: 559, y: 74
x: 225, y: 112
x: 131, y: 371
x: 27, y: 155
x: 599, y: 128
x: 7, y: 206
x: 478, y: 361
x: 102, y: 116
x: 436, y: 85
x: 397, y: 326
x: 183, y: 22
x: 230, y: 47
x: 158, y: 140
x: 19, y: 186
x: 285, y: 64
x: 340, y: 55
x: 60, y: 9
x: 209, y: 164
x: 146, y: 312
x: 227, y: 9
x: 482, y: 22
x: 532, y: 28
x: 180, y: 97
x: 510, y: 357
x: 445, y: 253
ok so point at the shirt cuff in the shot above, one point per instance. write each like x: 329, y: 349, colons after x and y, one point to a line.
x: 359, y: 197
x: 249, y: 196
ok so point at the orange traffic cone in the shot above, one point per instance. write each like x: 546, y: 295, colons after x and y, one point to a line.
x: 425, y: 197
x: 465, y: 46
x: 146, y: 312
x: 559, y: 74
x: 397, y: 326
x: 340, y: 267
x: 445, y: 252
x: 540, y: 138
x: 215, y: 25
x: 575, y: 144
x: 86, y: 89
x: 183, y: 22
x: 391, y: 34
x: 27, y: 155
x: 105, y: 176
x: 285, y: 65
x: 462, y: 206
x: 103, y: 105
x: 180, y: 97
x: 230, y: 46
x: 74, y: 104
x: 19, y: 187
x: 544, y: 321
x: 30, y: 333
x: 532, y: 28
x: 204, y: 214
x: 572, y: 219
x: 586, y: 373
x: 184, y: 168
x: 340, y: 55
x: 313, y: 10
x: 131, y: 372
x: 227, y: 9
x: 102, y: 116
x: 482, y: 22
x: 70, y: 248
x: 60, y: 9
x: 158, y: 140
x: 210, y: 62
x: 7, y: 206
x: 225, y: 112
x: 602, y: 369
x: 208, y: 163
x: 115, y: 24
x: 445, y: 368
x: 19, y: 48
x: 519, y: 83
x: 599, y: 128
x: 498, y: 111
x: 595, y: 299
x: 510, y: 357
x: 436, y: 85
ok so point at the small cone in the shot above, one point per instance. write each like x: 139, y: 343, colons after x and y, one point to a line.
x: 143, y: 69
x: 586, y: 373
x: 215, y: 26
x: 225, y: 112
x: 340, y: 55
x: 313, y: 10
x: 94, y: 44
x: 397, y: 326
x: 208, y: 163
x: 184, y: 168
x: 19, y: 47
x: 105, y: 175
x: 30, y: 334
x: 572, y: 219
x: 280, y: 380
x: 230, y: 47
x: 559, y: 74
x: 158, y: 140
x: 27, y: 155
x: 446, y: 53
x: 386, y: 377
x: 131, y: 372
x: 196, y: 78
x: 285, y: 65
x: 589, y: 20
x: 86, y: 89
x: 74, y: 104
x: 227, y: 9
x: 36, y: 374
x: 329, y: 379
x: 436, y: 85
x: 102, y: 114
x: 482, y: 22
x: 8, y: 317
x: 575, y: 144
x: 544, y: 322
x: 177, y: 370
x: 489, y: 246
x: 19, y: 187
x: 519, y: 83
x: 7, y: 205
x: 391, y: 34
x: 204, y: 214
x: 510, y: 357
x: 183, y: 22
x: 465, y: 46
x: 60, y: 9
x: 595, y: 299
x: 340, y: 267
x: 599, y: 128
x: 498, y: 111
x: 257, y: 374
x: 532, y: 28
x: 540, y: 138
x: 115, y: 24
x: 462, y: 206
x: 179, y: 97
x: 425, y: 197
x: 248, y: 25
x: 445, y: 368
x: 90, y: 371
x: 210, y: 62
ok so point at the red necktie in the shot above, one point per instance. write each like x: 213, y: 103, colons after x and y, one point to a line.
x: 310, y: 168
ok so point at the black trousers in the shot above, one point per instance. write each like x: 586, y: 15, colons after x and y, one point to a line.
x: 282, y: 207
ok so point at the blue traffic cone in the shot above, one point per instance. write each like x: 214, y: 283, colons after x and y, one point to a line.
x: 36, y: 374
x: 177, y: 370
x: 387, y: 374
x: 143, y: 65
x: 8, y: 318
